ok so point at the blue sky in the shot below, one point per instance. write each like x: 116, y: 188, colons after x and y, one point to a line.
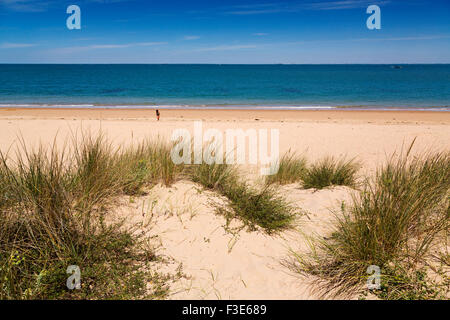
x: 222, y: 31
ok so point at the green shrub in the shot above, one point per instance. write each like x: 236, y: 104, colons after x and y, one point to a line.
x: 263, y: 208
x: 291, y: 169
x: 214, y: 176
x: 328, y: 172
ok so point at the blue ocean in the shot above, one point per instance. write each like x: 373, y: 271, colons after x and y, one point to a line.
x: 226, y: 86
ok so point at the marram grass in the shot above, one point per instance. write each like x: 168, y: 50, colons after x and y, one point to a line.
x: 290, y: 170
x: 52, y: 215
x: 393, y: 223
x: 330, y: 172
x: 256, y: 208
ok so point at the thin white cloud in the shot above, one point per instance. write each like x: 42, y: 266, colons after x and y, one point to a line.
x: 292, y: 7
x: 85, y: 39
x: 255, y: 5
x: 119, y: 46
x: 26, y: 5
x: 226, y: 48
x: 147, y: 44
x: 107, y: 46
x: 431, y: 37
x: 413, y: 38
x: 263, y: 11
x: 345, y: 4
x: 191, y: 38
x: 43, y: 5
x: 68, y: 50
x: 258, y: 8
x: 260, y: 34
x: 8, y: 45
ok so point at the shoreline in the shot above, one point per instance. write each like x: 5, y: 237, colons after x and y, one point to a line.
x: 279, y: 107
x: 396, y: 116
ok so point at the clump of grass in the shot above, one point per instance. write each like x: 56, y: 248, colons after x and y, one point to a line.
x: 256, y: 208
x: 96, y: 177
x: 394, y: 221
x: 330, y: 172
x: 214, y: 176
x: 146, y: 164
x: 136, y: 174
x: 122, y: 171
x: 163, y: 168
x: 263, y: 208
x: 52, y: 215
x: 291, y: 169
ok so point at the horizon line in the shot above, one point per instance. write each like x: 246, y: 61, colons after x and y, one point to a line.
x: 206, y: 63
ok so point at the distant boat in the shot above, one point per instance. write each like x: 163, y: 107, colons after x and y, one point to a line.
x: 396, y: 67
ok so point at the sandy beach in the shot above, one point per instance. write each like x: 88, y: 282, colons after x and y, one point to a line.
x: 218, y: 264
x: 369, y: 116
x: 368, y: 135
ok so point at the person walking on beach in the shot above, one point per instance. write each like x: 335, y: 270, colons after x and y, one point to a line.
x: 157, y: 114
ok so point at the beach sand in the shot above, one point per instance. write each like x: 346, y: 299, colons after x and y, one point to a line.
x: 370, y: 136
x: 245, y: 265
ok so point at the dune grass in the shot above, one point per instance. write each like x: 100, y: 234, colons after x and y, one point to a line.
x: 215, y: 176
x: 52, y: 215
x: 146, y: 164
x: 330, y: 172
x: 255, y: 208
x: 258, y: 208
x: 393, y: 223
x: 291, y: 169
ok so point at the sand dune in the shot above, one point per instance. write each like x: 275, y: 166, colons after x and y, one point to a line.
x: 217, y: 263
x: 223, y: 264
